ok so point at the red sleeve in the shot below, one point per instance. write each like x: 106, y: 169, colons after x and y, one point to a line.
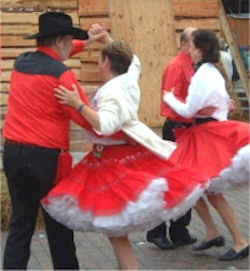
x: 78, y: 47
x: 67, y: 79
x: 171, y: 77
x: 189, y: 71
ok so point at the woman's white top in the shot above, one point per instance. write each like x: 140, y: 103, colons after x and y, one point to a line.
x: 207, y: 88
x: 117, y: 104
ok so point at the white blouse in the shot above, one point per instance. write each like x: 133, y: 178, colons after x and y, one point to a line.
x: 117, y: 101
x: 117, y: 104
x: 207, y: 88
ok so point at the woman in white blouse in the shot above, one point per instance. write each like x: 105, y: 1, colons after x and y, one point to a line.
x: 213, y: 145
x: 126, y: 183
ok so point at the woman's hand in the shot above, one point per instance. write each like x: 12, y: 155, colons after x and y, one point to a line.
x: 72, y: 98
x: 98, y: 32
x: 68, y: 97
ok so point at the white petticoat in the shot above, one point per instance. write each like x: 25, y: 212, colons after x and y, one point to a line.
x: 237, y: 174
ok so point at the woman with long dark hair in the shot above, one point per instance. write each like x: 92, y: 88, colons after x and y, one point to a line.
x: 215, y: 146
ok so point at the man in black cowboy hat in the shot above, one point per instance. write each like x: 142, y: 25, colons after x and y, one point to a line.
x: 36, y: 135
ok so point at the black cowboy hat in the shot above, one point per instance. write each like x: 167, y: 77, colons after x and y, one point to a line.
x: 56, y: 24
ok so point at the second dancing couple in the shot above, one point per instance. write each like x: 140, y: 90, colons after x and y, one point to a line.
x: 133, y: 180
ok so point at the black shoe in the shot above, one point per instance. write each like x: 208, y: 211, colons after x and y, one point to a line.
x: 231, y: 254
x: 185, y: 242
x: 161, y: 242
x: 216, y: 242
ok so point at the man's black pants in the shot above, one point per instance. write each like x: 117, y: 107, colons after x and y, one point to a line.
x: 177, y: 229
x: 31, y: 172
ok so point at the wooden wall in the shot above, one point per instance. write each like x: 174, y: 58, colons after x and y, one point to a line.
x: 203, y: 14
x: 151, y: 27
x: 240, y: 28
x: 90, y: 12
x: 148, y: 26
x: 20, y: 17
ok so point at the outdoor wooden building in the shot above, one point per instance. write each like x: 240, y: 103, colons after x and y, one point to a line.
x: 151, y: 27
x: 240, y: 27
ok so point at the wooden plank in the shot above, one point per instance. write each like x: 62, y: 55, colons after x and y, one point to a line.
x: 17, y: 17
x: 19, y: 29
x: 14, y: 41
x: 240, y: 27
x: 196, y: 8
x: 230, y: 38
x: 7, y: 65
x: 10, y: 53
x: 1, y: 124
x: 95, y: 46
x: 87, y: 55
x: 93, y: 7
x: 73, y: 63
x: 29, y: 17
x: 85, y: 23
x: 90, y: 73
x: 5, y: 76
x: 75, y: 17
x: 90, y: 76
x: 90, y: 56
x: 204, y: 23
x: 148, y: 27
x: 4, y: 98
x: 38, y: 4
x: 77, y: 73
x: 4, y: 87
x: 3, y: 111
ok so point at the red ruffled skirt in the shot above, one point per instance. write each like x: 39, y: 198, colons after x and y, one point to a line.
x: 121, y: 189
x: 220, y: 150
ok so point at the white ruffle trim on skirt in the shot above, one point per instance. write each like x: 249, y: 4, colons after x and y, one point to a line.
x: 182, y: 208
x: 238, y: 173
x: 137, y: 216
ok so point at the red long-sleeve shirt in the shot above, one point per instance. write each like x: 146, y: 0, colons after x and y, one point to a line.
x: 177, y: 75
x: 34, y: 114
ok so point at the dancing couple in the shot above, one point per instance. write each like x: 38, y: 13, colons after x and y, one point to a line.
x: 132, y: 180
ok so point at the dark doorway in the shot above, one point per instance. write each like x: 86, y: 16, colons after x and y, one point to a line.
x: 236, y: 6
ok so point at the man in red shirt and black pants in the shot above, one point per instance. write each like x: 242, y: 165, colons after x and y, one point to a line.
x: 177, y: 76
x: 36, y: 135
